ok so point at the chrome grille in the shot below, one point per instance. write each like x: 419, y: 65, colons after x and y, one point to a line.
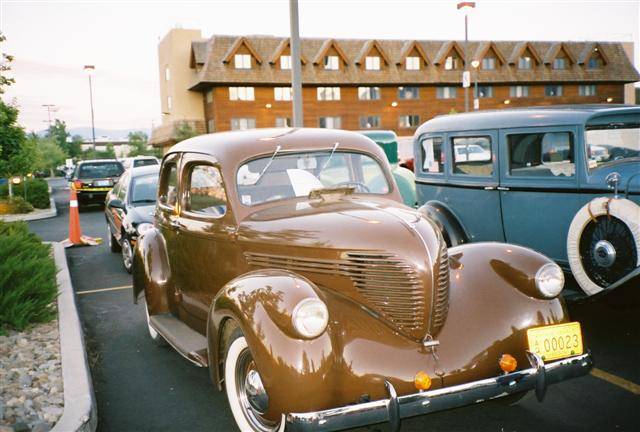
x: 441, y: 290
x: 387, y: 283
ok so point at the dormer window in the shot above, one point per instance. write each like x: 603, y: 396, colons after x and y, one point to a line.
x: 525, y: 62
x: 331, y: 62
x: 412, y: 63
x: 595, y: 62
x: 452, y: 62
x: 559, y: 63
x: 242, y: 61
x: 372, y: 63
x: 489, y: 63
x: 285, y: 62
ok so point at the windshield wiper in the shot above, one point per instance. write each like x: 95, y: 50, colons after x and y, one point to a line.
x: 333, y: 150
x: 266, y: 167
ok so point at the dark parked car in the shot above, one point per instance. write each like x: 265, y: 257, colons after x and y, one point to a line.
x: 92, y: 179
x: 129, y: 209
x: 286, y: 262
x: 563, y: 180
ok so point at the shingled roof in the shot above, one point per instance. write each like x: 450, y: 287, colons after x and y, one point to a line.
x: 208, y: 58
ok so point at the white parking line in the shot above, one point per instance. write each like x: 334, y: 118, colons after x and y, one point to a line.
x: 104, y: 289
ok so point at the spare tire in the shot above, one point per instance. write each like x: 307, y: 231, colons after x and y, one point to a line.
x: 603, y: 243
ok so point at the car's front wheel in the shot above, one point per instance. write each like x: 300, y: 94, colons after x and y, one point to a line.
x: 127, y: 254
x: 247, y: 397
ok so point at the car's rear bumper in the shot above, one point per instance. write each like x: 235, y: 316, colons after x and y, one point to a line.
x: 391, y: 410
x: 92, y: 195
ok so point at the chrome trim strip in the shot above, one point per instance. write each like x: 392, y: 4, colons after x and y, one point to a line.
x: 427, y: 402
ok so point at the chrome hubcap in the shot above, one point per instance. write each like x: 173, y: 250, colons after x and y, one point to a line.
x: 604, y: 254
x: 256, y: 395
x: 126, y: 253
x: 253, y: 398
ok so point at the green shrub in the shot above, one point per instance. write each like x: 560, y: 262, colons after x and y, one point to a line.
x: 28, y: 285
x: 37, y: 192
x: 15, y: 205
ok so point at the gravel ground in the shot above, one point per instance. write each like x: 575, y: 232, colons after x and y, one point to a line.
x: 31, y: 396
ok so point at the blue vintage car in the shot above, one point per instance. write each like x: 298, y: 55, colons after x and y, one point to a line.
x: 563, y: 180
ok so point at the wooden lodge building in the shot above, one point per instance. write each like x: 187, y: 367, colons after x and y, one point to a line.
x: 240, y: 82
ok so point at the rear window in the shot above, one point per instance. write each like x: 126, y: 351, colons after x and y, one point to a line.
x: 94, y: 170
x: 144, y: 162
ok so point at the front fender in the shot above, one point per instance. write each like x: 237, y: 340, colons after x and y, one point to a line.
x: 151, y: 271
x: 445, y: 219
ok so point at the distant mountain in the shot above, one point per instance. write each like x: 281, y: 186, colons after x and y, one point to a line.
x: 114, y: 134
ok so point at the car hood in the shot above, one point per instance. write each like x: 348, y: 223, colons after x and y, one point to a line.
x: 375, y: 251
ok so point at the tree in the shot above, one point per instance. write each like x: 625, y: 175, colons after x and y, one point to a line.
x: 58, y: 132
x: 184, y: 131
x: 12, y: 141
x: 49, y: 155
x: 4, y: 67
x: 75, y: 146
x: 138, y: 144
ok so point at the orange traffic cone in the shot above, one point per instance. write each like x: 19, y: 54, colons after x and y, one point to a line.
x: 75, y: 232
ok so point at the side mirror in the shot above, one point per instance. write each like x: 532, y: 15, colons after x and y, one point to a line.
x: 116, y: 203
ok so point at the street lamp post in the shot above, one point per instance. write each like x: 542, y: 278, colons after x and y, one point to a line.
x: 296, y: 80
x: 465, y: 6
x: 91, y: 70
x: 476, y: 97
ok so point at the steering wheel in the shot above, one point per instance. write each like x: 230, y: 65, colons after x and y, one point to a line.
x: 357, y: 184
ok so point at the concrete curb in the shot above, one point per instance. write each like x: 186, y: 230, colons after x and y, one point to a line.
x: 52, y: 211
x: 80, y: 413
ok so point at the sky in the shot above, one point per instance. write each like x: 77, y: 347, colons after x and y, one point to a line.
x: 52, y: 40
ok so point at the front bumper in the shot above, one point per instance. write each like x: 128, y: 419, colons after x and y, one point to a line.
x: 391, y: 410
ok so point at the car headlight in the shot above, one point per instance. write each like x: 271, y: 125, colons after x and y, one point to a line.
x: 550, y: 280
x: 310, y: 317
x: 143, y: 228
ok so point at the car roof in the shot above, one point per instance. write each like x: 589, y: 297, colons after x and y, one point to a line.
x: 144, y: 170
x: 141, y: 157
x: 523, y: 117
x: 230, y: 148
x: 97, y: 160
x: 380, y: 136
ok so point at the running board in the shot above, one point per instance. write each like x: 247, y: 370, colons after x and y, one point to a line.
x: 188, y: 342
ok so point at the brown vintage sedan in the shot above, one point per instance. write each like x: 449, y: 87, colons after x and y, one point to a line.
x: 285, y: 261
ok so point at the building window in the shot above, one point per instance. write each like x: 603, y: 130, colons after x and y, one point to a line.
x: 368, y: 93
x: 241, y: 94
x: 282, y: 93
x: 328, y: 93
x: 283, y: 122
x: 412, y: 63
x: 409, y: 121
x: 472, y: 156
x: 242, y: 61
x: 167, y: 73
x: 331, y: 62
x: 559, y: 63
x: 525, y: 62
x: 209, y: 96
x: 285, y: 62
x: 485, y: 91
x: 408, y: 93
x: 369, y: 122
x: 594, y: 63
x: 489, y: 63
x: 553, y: 90
x: 587, y: 90
x: 372, y: 63
x: 211, y: 126
x: 168, y: 103
x: 452, y: 63
x: 446, y: 92
x: 330, y: 122
x: 519, y: 91
x: 243, y: 123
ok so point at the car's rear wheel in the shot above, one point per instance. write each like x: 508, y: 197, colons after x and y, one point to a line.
x: 127, y: 254
x: 247, y: 397
x: 113, y: 243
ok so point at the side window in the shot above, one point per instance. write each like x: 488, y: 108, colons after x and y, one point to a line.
x: 432, y: 155
x: 123, y: 185
x: 169, y: 185
x: 206, y: 194
x: 544, y: 154
x: 472, y: 156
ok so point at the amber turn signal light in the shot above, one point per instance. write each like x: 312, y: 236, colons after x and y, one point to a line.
x: 507, y: 363
x: 422, y: 381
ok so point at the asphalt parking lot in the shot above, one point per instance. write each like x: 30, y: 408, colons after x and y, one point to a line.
x: 142, y: 387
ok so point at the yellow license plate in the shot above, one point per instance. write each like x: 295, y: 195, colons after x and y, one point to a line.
x: 556, y: 341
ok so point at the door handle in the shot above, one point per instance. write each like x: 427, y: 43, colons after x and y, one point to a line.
x: 489, y: 188
x: 502, y: 188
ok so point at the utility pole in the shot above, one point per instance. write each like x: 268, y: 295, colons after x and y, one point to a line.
x: 296, y: 80
x: 90, y: 70
x: 50, y: 108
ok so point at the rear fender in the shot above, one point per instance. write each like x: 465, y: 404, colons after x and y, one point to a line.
x: 151, y: 272
x: 450, y: 226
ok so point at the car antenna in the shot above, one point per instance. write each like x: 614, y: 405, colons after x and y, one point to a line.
x: 333, y: 150
x: 264, y: 170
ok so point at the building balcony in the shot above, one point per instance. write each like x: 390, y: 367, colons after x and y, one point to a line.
x: 175, y: 131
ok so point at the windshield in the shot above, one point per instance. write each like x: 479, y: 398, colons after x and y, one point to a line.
x: 296, y: 175
x: 94, y: 170
x: 144, y: 189
x: 144, y: 162
x: 611, y: 143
